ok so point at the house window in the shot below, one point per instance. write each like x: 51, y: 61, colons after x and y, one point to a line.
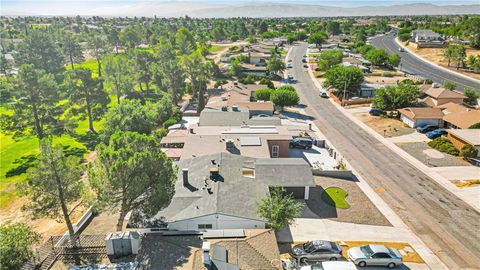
x: 275, y: 151
x: 204, y: 226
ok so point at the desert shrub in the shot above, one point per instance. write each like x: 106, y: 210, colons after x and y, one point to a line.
x: 444, y: 145
x: 468, y: 151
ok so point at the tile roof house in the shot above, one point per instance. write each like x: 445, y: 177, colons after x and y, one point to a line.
x: 451, y: 107
x: 462, y: 137
x: 463, y: 119
x: 221, y: 191
x: 436, y: 96
x: 420, y: 116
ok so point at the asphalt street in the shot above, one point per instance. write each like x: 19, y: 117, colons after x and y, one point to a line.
x: 412, y: 64
x: 446, y: 224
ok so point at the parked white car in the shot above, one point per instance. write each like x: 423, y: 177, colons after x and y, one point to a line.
x: 331, y: 266
x: 378, y: 255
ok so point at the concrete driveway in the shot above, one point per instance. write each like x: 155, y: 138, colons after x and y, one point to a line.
x: 316, y: 157
x: 408, y: 138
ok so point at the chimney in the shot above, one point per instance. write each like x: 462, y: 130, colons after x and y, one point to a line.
x: 185, y: 176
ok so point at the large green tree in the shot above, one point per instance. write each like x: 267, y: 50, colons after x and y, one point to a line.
x: 99, y: 47
x: 71, y: 49
x: 279, y: 209
x: 86, y: 90
x: 54, y: 183
x: 390, y: 98
x: 131, y: 173
x: 317, y: 38
x: 117, y: 71
x: 344, y: 80
x: 275, y: 65
x: 35, y: 94
x: 283, y: 97
x: 16, y: 242
x: 185, y: 42
x: 330, y: 58
x: 41, y: 51
x: 471, y: 96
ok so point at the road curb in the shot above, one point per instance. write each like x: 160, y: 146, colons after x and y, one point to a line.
x: 433, y: 64
x: 423, y: 250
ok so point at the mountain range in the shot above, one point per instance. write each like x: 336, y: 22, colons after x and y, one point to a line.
x: 224, y: 10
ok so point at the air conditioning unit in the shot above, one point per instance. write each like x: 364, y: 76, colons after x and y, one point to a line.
x: 123, y: 243
x: 435, y: 85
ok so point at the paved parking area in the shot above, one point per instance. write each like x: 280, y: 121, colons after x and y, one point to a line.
x: 431, y: 157
x: 316, y: 157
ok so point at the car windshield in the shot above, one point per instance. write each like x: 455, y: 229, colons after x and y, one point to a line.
x: 309, y: 246
x: 366, y: 250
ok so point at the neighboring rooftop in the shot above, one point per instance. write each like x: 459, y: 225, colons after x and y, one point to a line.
x: 471, y: 136
x: 254, y: 252
x: 451, y: 107
x: 422, y: 113
x: 463, y: 119
x: 441, y: 92
x: 238, y: 116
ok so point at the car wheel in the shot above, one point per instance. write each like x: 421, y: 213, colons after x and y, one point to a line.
x: 333, y: 258
x: 362, y: 264
x: 306, y: 147
x: 391, y: 265
x: 303, y: 261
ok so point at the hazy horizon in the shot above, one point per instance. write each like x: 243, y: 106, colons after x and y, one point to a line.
x: 200, y: 8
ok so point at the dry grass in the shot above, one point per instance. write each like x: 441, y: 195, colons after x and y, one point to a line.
x: 435, y: 55
x: 408, y: 253
x: 466, y: 183
x: 387, y: 127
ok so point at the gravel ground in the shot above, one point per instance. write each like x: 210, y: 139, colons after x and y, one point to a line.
x: 361, y: 211
x: 419, y: 151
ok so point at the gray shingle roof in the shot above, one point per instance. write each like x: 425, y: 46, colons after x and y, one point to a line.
x: 232, y: 193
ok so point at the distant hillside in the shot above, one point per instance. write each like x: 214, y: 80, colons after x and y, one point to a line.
x: 222, y: 10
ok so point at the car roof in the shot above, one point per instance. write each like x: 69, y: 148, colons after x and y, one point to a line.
x: 321, y: 243
x: 379, y: 249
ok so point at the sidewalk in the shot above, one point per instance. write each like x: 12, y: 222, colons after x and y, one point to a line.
x: 393, y: 218
x: 431, y: 63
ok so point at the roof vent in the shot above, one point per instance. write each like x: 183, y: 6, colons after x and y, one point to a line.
x: 230, y: 144
x: 235, y: 108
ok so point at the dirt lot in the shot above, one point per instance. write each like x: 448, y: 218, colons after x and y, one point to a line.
x: 435, y: 55
x: 387, y: 127
x: 361, y: 211
x: 430, y: 156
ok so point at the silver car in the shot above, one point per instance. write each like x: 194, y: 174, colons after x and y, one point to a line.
x: 317, y: 250
x: 378, y: 255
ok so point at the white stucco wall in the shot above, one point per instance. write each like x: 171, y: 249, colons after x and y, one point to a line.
x: 218, y: 221
x: 420, y: 122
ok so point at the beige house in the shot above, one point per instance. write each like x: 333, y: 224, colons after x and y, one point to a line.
x: 436, y: 96
x: 421, y: 116
x: 462, y: 120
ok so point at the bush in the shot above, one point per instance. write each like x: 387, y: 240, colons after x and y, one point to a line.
x: 263, y: 94
x: 468, y: 151
x: 475, y: 126
x: 444, y: 145
x: 268, y: 82
x: 286, y: 87
x: 284, y: 98
x: 169, y: 122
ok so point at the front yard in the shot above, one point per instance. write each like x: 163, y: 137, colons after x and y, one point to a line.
x: 387, y: 127
x: 430, y: 156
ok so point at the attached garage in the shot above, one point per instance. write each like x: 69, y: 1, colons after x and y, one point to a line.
x: 415, y: 117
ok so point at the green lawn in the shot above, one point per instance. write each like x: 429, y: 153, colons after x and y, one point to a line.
x: 214, y: 48
x: 11, y: 150
x: 90, y: 64
x: 335, y: 196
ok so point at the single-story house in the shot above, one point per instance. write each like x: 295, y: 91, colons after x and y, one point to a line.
x: 256, y: 251
x: 255, y: 108
x: 436, y: 96
x: 221, y: 191
x: 364, y: 69
x: 235, y: 116
x: 425, y: 38
x: 254, y: 70
x: 463, y: 119
x: 462, y: 137
x: 420, y: 116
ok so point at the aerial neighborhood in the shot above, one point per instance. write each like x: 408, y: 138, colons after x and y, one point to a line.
x: 224, y: 142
